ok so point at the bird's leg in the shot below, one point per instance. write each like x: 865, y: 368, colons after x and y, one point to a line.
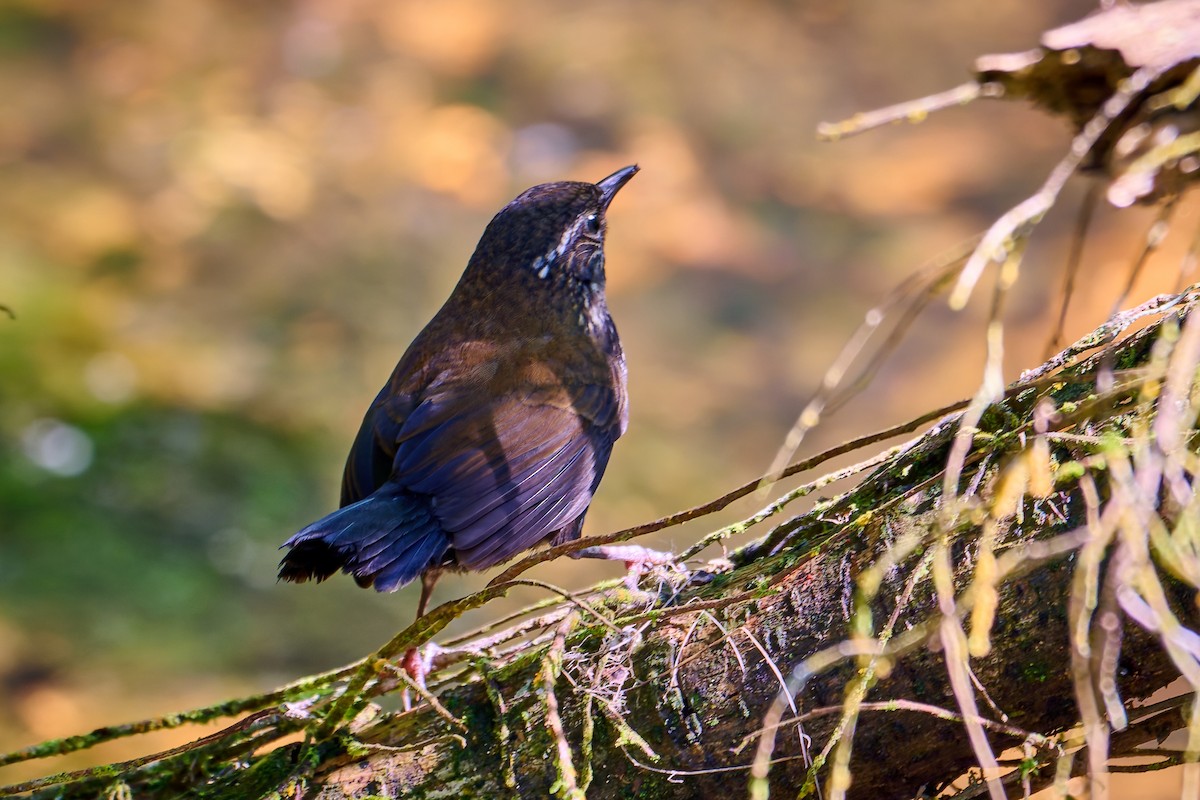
x: 416, y: 663
x: 636, y: 558
x: 429, y: 579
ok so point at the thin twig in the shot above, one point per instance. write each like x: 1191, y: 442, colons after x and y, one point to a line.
x: 71, y: 744
x: 1074, y: 260
x: 911, y: 110
x: 722, y: 502
x: 1017, y: 223
x: 430, y: 698
x: 911, y: 296
x: 1152, y: 241
x: 901, y: 704
x: 251, y: 725
x: 567, y: 783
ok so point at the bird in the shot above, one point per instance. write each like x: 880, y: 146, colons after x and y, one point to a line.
x: 496, y: 426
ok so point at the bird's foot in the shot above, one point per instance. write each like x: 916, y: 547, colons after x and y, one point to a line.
x: 416, y: 663
x: 639, y: 561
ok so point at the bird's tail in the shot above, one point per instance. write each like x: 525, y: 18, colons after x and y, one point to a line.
x: 385, y: 540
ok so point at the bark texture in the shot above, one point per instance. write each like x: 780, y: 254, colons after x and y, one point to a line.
x: 676, y: 698
x: 664, y: 694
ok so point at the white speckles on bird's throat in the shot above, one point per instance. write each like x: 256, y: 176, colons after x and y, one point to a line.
x: 594, y: 317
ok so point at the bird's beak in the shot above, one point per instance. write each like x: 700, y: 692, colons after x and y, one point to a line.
x: 613, y: 183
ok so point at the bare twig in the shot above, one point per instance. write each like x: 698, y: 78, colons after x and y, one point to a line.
x: 1074, y: 260
x: 911, y: 111
x: 567, y: 786
x: 1017, y: 223
x: 430, y: 698
x: 315, y: 684
x: 911, y: 296
x: 247, y: 734
x: 1152, y: 241
x: 722, y: 502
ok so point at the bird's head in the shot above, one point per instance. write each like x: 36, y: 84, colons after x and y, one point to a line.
x: 548, y: 243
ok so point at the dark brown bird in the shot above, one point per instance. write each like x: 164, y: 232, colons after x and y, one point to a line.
x: 495, y: 428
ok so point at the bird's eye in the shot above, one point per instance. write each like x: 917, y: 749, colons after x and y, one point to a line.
x: 591, y: 224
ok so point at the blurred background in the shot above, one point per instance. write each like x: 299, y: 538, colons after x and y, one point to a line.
x: 221, y: 223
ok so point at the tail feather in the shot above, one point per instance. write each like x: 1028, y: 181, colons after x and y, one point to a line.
x: 384, y: 540
x: 392, y: 569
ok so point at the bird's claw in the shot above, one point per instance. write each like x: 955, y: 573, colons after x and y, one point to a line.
x: 417, y: 663
x: 636, y: 569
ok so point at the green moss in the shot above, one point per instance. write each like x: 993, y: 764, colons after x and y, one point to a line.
x: 996, y: 419
x: 1035, y: 671
x: 1069, y: 472
x: 1128, y: 358
x: 267, y: 776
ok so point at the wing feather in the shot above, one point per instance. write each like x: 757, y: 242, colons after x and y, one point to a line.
x: 503, y: 467
x: 503, y: 475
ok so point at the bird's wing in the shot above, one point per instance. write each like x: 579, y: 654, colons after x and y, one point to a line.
x: 506, y: 471
x: 369, y: 464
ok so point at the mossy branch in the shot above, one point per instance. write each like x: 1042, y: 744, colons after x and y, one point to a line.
x: 587, y: 690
